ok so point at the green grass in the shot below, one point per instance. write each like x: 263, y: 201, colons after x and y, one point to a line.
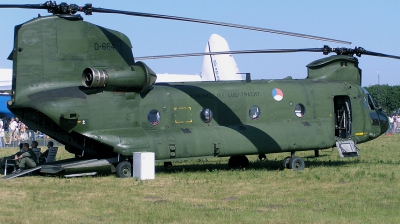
x: 329, y: 190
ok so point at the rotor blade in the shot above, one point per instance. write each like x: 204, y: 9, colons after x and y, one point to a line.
x: 26, y: 6
x: 358, y: 51
x: 380, y: 55
x: 103, y: 10
x: 266, y: 51
x: 65, y: 8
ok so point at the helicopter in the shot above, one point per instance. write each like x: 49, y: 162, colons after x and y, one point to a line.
x: 80, y: 84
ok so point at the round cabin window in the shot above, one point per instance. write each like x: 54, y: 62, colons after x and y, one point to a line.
x: 299, y: 110
x: 254, y: 112
x: 153, y: 117
x: 206, y: 115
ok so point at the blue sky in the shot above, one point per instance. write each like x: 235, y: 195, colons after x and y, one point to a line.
x: 373, y: 25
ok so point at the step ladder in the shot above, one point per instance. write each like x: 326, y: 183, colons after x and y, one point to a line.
x: 347, y: 148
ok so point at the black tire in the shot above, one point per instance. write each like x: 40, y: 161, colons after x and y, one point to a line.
x: 296, y: 163
x: 167, y: 164
x: 124, y: 169
x: 285, y: 162
x: 238, y: 162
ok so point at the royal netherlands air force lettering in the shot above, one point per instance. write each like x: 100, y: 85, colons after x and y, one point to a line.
x: 223, y: 95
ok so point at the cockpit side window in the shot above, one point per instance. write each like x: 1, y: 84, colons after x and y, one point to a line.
x: 366, y: 103
x: 369, y: 103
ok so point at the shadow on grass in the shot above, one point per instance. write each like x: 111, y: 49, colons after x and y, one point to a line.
x: 272, y: 165
x: 312, y: 157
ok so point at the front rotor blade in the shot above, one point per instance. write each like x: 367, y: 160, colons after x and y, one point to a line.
x: 381, y: 55
x: 102, y: 10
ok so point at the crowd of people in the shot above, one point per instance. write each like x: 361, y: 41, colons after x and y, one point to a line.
x: 394, y: 121
x: 14, y: 130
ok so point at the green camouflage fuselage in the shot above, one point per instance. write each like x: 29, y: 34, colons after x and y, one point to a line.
x: 51, y: 54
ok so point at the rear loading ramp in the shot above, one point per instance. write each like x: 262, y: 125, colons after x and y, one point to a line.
x: 85, y: 167
x: 71, y: 168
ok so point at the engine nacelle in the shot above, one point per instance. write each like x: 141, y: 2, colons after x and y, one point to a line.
x: 337, y: 68
x: 138, y: 75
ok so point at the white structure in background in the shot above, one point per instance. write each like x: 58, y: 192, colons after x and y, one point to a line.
x: 5, y: 79
x: 219, y: 67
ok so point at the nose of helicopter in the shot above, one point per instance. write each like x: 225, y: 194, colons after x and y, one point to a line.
x: 383, y: 122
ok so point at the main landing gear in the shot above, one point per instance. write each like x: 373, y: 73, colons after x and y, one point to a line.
x: 124, y: 169
x: 293, y: 162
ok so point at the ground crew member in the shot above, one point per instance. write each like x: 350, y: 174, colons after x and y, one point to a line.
x: 26, y: 160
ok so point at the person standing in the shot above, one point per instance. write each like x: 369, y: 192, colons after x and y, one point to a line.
x: 22, y: 132
x: 394, y: 123
x: 390, y: 131
x: 13, y: 131
x: 2, y: 135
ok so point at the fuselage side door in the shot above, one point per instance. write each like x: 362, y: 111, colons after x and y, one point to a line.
x: 343, y: 116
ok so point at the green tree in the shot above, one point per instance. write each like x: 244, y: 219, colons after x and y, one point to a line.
x: 385, y: 97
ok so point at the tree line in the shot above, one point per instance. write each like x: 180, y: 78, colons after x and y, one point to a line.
x: 385, y: 97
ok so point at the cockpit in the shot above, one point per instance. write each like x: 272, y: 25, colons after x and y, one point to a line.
x: 377, y: 116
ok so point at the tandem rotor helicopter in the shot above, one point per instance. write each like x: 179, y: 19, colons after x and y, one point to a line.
x: 80, y: 84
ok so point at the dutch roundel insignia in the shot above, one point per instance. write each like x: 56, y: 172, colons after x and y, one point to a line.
x: 277, y: 94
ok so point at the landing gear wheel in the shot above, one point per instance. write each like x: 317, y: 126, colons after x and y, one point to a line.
x: 285, y: 162
x: 296, y: 163
x: 262, y: 157
x: 124, y: 169
x: 238, y: 162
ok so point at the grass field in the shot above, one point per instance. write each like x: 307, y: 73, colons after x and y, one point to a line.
x: 329, y: 190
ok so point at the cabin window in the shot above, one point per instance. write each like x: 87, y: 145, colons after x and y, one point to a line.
x: 254, y: 112
x: 206, y: 115
x: 299, y: 110
x: 154, y: 117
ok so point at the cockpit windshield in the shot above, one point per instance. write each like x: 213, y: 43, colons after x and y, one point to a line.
x: 369, y: 103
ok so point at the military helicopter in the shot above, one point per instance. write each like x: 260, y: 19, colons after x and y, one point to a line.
x: 80, y: 84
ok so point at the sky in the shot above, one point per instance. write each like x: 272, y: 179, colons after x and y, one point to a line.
x: 373, y: 25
